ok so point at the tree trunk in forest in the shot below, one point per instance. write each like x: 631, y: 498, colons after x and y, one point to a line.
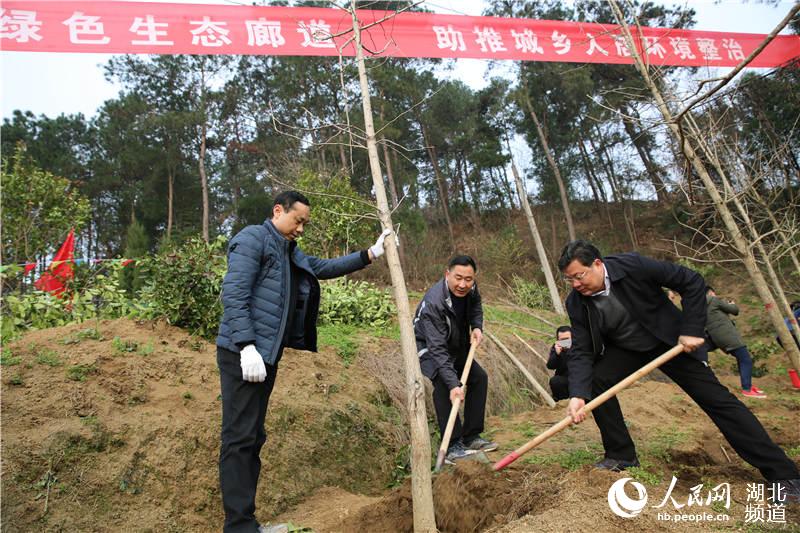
x: 755, y: 237
x: 390, y: 176
x: 558, y: 307
x: 421, y: 488
x: 202, y: 158
x: 642, y: 148
x: 594, y: 183
x: 551, y: 161
x: 740, y: 243
x: 439, y: 183
x: 615, y: 193
x: 170, y: 199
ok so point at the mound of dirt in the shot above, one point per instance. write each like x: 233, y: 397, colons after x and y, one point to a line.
x: 554, y: 488
x: 114, y: 426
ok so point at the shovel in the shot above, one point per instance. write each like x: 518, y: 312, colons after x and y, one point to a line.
x: 451, y: 421
x: 567, y: 421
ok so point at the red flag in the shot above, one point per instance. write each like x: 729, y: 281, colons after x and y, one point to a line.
x: 60, y: 269
x: 29, y: 267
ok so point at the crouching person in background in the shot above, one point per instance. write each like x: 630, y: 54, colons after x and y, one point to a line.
x: 559, y: 356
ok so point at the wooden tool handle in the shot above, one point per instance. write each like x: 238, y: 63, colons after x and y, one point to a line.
x: 451, y: 421
x: 602, y: 398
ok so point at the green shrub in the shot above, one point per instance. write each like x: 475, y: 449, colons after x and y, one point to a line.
x: 183, y: 285
x: 530, y: 294
x: 7, y: 358
x: 80, y: 372
x: 49, y: 358
x: 339, y: 217
x: 759, y: 352
x: 100, y: 298
x: 355, y: 303
x: 707, y: 270
x: 505, y: 251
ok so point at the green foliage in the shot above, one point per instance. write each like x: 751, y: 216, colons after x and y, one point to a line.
x: 357, y: 303
x: 707, y: 270
x: 505, y: 252
x: 570, y: 460
x: 760, y: 352
x: 124, y: 346
x: 49, y: 358
x: 136, y: 245
x: 643, y: 473
x: 338, y: 217
x: 340, y: 337
x: 81, y: 372
x: 7, y: 358
x: 101, y: 298
x: 530, y: 294
x: 43, y: 210
x: 183, y: 285
x: 16, y: 380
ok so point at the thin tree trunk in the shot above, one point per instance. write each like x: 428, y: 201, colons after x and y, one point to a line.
x: 390, y: 176
x: 594, y: 183
x: 551, y: 161
x: 644, y: 154
x: 615, y: 194
x: 439, y: 183
x: 202, y: 160
x: 737, y: 239
x: 421, y: 488
x: 755, y: 237
x: 558, y: 307
x: 170, y: 201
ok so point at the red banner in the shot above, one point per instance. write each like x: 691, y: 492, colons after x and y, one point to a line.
x: 155, y: 28
x: 60, y: 269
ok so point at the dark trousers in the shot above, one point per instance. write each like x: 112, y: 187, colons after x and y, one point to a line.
x: 739, y: 426
x: 745, y: 363
x: 474, y: 402
x: 559, y: 385
x: 244, y: 408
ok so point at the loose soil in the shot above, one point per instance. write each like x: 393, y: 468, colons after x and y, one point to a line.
x: 123, y: 435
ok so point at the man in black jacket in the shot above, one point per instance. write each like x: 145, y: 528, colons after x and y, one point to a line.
x: 559, y: 355
x: 442, y: 324
x: 621, y: 319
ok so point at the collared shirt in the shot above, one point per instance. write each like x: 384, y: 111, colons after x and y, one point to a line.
x: 607, y: 284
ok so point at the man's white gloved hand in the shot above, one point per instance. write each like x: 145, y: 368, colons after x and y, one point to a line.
x: 376, y: 250
x: 253, y: 368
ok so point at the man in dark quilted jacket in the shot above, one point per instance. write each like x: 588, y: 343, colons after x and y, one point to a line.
x: 270, y: 297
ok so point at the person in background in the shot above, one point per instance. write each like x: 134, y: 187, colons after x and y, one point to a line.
x: 723, y: 333
x: 795, y: 306
x: 559, y: 356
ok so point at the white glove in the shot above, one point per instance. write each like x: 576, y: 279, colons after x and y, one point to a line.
x: 253, y: 368
x: 377, y: 248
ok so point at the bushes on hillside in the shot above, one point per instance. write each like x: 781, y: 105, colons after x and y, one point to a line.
x: 183, y: 285
x: 356, y: 303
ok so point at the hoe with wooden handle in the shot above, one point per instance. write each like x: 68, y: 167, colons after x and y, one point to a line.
x: 451, y: 422
x: 567, y: 421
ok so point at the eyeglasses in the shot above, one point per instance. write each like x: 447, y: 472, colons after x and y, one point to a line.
x: 576, y: 277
